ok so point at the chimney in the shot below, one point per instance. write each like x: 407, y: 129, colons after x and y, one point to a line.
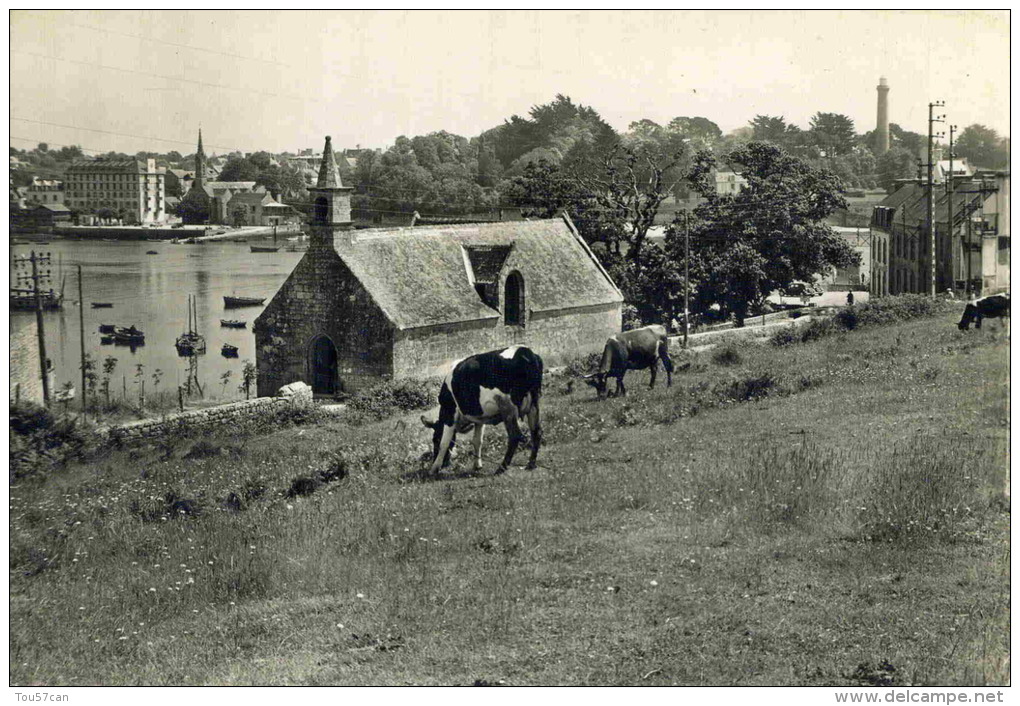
x: 882, y: 124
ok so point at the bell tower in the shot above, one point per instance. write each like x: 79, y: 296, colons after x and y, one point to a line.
x: 331, y: 203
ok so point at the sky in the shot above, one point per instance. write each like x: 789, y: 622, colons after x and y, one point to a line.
x: 282, y: 80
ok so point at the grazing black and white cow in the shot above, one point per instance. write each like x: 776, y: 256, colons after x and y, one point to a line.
x: 632, y: 350
x: 991, y: 307
x: 489, y: 388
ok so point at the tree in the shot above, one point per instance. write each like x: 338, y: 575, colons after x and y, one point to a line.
x: 777, y: 221
x: 702, y: 132
x: 239, y: 169
x: 193, y: 210
x: 834, y: 133
x: 280, y: 181
x: 249, y: 374
x: 545, y: 189
x: 174, y: 188
x: 983, y: 147
x: 913, y: 142
x: 897, y: 163
x: 633, y: 178
x: 768, y: 128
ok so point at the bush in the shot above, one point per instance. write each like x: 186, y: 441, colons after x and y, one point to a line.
x: 816, y: 329
x: 727, y: 354
x: 631, y: 318
x: 585, y: 365
x: 393, y: 397
x: 40, y: 441
x: 784, y: 337
x: 750, y: 388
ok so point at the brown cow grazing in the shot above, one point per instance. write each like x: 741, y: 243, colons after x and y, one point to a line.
x: 991, y: 307
x: 489, y: 388
x: 632, y: 350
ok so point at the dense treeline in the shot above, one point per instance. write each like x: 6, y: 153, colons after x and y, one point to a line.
x: 564, y: 156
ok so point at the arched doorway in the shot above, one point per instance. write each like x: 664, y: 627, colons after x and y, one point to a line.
x: 322, y: 365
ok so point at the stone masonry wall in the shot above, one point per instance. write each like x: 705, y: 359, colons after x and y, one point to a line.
x: 220, y: 416
x: 556, y: 336
x: 322, y: 297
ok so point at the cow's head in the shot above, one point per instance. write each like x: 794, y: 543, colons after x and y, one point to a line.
x: 969, y: 314
x: 437, y: 434
x: 598, y: 381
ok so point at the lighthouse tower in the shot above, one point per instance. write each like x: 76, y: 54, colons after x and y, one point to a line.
x: 882, y: 124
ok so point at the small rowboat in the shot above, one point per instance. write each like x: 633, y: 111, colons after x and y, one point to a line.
x: 106, y: 340
x: 102, y: 305
x: 233, y: 323
x: 128, y: 335
x: 229, y: 351
x: 151, y: 252
x: 233, y: 302
x: 263, y: 248
x: 106, y: 328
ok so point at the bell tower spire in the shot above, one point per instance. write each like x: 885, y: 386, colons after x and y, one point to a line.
x: 199, y: 162
x: 332, y: 203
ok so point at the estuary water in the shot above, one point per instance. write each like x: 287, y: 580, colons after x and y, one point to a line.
x: 149, y: 292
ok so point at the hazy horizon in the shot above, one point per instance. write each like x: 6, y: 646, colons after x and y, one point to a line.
x: 281, y: 80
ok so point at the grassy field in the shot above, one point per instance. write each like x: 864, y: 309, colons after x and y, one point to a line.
x: 820, y: 513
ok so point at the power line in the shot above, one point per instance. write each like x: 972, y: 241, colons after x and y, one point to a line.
x: 169, y: 78
x: 189, y: 47
x: 119, y: 134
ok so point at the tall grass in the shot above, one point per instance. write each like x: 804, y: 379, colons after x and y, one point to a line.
x: 791, y: 536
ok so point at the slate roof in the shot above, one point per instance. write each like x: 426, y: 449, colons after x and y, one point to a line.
x: 487, y: 261
x: 252, y: 198
x: 418, y: 276
x: 102, y: 164
x: 54, y: 207
x: 910, y: 200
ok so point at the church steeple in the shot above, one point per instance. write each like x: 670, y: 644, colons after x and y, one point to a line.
x: 199, y: 162
x: 329, y: 173
x: 332, y: 203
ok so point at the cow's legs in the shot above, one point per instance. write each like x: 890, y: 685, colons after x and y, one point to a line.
x: 477, y: 442
x: 621, y: 391
x: 513, y: 434
x: 977, y: 321
x: 654, y: 370
x: 535, y: 426
x: 449, y: 433
x: 667, y: 363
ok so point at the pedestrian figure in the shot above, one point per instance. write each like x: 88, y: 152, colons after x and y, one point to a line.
x: 849, y: 298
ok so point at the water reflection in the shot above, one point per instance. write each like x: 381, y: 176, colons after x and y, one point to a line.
x: 149, y: 292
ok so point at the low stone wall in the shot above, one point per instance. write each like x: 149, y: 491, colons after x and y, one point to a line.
x: 218, y: 416
x: 696, y: 340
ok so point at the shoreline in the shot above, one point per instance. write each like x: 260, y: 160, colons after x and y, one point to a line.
x: 141, y: 233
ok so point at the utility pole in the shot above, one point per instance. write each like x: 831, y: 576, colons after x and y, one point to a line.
x: 949, y: 192
x: 81, y: 331
x: 970, y: 276
x: 932, y: 119
x: 687, y: 277
x: 35, y: 261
